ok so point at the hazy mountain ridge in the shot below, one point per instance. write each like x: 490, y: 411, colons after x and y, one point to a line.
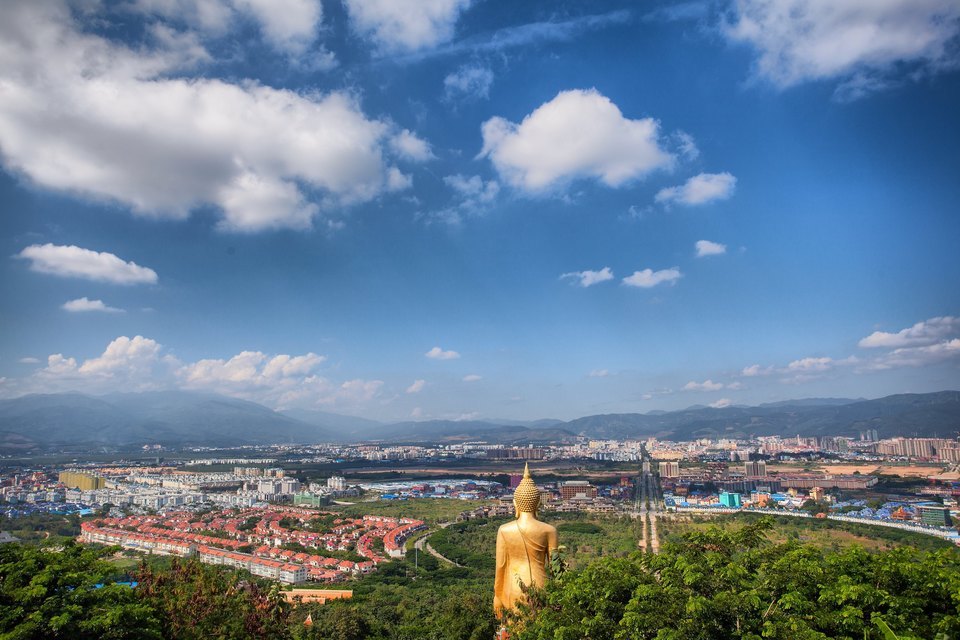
x: 177, y: 418
x: 172, y: 418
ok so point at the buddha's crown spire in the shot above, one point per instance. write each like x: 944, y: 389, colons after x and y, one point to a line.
x: 527, y: 496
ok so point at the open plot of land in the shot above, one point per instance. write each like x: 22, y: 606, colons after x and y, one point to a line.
x: 429, y: 510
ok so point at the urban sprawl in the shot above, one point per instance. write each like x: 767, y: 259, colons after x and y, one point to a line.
x: 256, y: 515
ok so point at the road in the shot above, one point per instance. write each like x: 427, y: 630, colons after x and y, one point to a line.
x: 422, y: 544
x: 648, y: 505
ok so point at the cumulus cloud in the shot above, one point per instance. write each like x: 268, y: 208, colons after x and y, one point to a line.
x: 474, y: 189
x: 707, y: 248
x: 919, y: 356
x: 83, y: 114
x: 863, y: 42
x: 289, y: 26
x: 75, y: 262
x: 139, y: 364
x: 926, y: 332
x: 811, y: 364
x: 84, y: 304
x: 599, y: 373
x: 700, y: 189
x: 439, y: 354
x: 468, y: 82
x: 706, y: 385
x: 578, y: 134
x: 405, y: 25
x: 409, y: 146
x: 473, y: 197
x: 755, y: 370
x: 472, y: 377
x: 589, y: 278
x: 417, y: 386
x: 720, y: 404
x: 29, y: 360
x: 649, y: 278
x: 127, y: 356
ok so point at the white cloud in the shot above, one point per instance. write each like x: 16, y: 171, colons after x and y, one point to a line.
x: 811, y: 364
x: 860, y: 41
x: 578, y: 134
x: 247, y: 370
x: 124, y: 356
x: 474, y: 196
x: 285, y: 366
x: 700, y: 189
x: 468, y: 82
x: 409, y: 146
x: 755, y: 370
x: 720, y: 404
x: 75, y: 262
x: 289, y: 25
x: 706, y: 385
x: 599, y: 373
x: 85, y: 115
x: 439, y: 354
x: 922, y: 333
x: 686, y: 145
x: 589, y: 278
x: 417, y: 386
x: 406, y: 25
x: 707, y: 248
x: 29, y: 360
x: 473, y: 187
x: 649, y: 278
x: 138, y: 364
x: 397, y: 180
x: 416, y: 413
x: 84, y: 304
x: 472, y: 378
x: 920, y: 356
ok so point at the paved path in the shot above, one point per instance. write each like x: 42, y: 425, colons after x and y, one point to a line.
x: 422, y: 544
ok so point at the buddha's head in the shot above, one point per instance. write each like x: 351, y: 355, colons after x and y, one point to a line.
x: 526, y: 499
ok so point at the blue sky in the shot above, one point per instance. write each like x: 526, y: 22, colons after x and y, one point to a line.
x: 456, y: 208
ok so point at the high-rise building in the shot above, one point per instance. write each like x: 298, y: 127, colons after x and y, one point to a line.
x: 730, y: 500
x: 80, y: 480
x: 936, y: 516
x: 756, y: 469
x: 669, y: 469
x: 577, y: 489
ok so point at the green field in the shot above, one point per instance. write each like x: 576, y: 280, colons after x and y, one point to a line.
x: 824, y: 534
x: 584, y: 538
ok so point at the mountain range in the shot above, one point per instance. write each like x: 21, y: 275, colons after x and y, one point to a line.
x: 179, y: 418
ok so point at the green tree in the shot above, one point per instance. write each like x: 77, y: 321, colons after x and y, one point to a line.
x: 719, y: 583
x: 198, y: 602
x: 67, y: 593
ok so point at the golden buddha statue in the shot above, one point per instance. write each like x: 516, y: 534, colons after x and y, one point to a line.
x: 523, y: 548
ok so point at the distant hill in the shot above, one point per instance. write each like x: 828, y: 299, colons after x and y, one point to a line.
x: 921, y: 415
x: 178, y: 418
x: 173, y: 418
x: 450, y: 431
x: 333, y: 422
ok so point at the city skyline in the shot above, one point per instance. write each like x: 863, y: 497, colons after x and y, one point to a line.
x: 469, y: 210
